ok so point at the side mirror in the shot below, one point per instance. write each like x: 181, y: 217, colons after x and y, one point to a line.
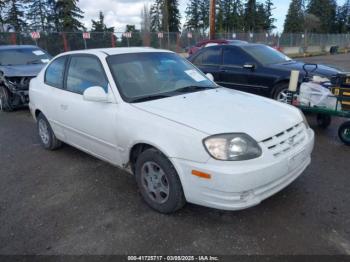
x: 210, y: 76
x: 95, y: 94
x: 249, y: 66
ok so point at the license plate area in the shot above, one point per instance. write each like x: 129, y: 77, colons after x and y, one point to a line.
x: 296, y: 160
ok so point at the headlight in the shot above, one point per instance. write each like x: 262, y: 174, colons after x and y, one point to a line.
x: 232, y: 147
x: 304, y: 120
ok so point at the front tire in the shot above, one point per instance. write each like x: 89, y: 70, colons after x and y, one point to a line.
x: 323, y: 121
x: 46, y: 134
x: 281, y: 92
x: 159, y: 182
x: 5, y: 100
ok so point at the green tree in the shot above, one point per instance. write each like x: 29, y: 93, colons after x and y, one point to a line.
x: 99, y: 25
x: 294, y: 22
x: 343, y: 18
x: 38, y: 14
x: 165, y: 16
x: 269, y: 19
x: 250, y: 15
x: 14, y: 15
x: 135, y: 39
x: 68, y: 14
x: 192, y: 15
x: 325, y: 10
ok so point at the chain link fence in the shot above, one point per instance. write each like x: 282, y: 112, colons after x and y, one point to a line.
x: 56, y: 43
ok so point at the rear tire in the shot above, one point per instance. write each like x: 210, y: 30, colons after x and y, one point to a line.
x: 159, y: 182
x: 5, y: 100
x: 344, y: 133
x: 280, y: 92
x: 46, y: 134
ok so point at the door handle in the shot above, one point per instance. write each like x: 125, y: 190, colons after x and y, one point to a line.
x: 64, y: 107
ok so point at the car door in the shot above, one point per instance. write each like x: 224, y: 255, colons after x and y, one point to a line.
x: 241, y: 71
x: 54, y: 95
x: 209, y: 60
x: 90, y: 126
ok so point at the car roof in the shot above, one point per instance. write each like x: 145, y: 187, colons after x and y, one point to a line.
x: 7, y: 47
x: 118, y: 50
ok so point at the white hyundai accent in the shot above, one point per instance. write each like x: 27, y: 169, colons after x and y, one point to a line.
x: 184, y: 138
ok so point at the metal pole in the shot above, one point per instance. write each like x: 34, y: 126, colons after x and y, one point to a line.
x: 212, y: 19
x: 85, y: 45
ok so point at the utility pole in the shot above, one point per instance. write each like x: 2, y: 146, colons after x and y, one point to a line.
x: 212, y: 19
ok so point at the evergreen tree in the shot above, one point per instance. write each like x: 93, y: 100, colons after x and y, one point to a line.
x: 165, y: 16
x: 38, y: 14
x: 135, y: 39
x: 193, y: 15
x: 250, y: 15
x: 14, y: 14
x: 2, y: 9
x: 99, y: 25
x: 156, y: 14
x: 68, y: 15
x: 343, y: 18
x: 325, y: 10
x: 294, y: 22
x: 269, y: 20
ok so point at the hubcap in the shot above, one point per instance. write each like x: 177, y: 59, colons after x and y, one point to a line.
x: 44, y: 131
x: 283, y: 96
x: 346, y: 133
x: 154, y: 182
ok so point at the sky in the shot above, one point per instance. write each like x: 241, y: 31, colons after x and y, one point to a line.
x: 119, y: 13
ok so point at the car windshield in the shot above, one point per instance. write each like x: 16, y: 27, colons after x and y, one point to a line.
x: 155, y: 75
x: 23, y: 56
x: 266, y: 55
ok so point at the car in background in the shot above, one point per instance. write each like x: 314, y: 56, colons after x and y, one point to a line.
x: 18, y: 65
x: 253, y: 68
x: 184, y: 137
x: 206, y: 43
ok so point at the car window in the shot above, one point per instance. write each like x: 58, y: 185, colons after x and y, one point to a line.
x: 23, y: 56
x: 85, y: 72
x: 55, y: 72
x: 235, y: 57
x: 209, y: 56
x: 139, y: 75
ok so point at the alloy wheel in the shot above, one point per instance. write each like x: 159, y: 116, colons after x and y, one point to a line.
x: 283, y: 96
x: 44, y: 131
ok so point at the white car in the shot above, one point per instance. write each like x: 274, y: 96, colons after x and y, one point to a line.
x: 182, y: 136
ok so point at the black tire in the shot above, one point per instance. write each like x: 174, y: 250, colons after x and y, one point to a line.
x: 5, y: 100
x: 278, y: 89
x: 50, y: 142
x: 175, y: 198
x: 344, y: 133
x: 323, y: 121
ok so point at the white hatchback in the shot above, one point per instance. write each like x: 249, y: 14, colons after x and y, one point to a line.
x: 182, y: 136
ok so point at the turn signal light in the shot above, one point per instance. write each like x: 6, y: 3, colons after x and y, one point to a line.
x: 201, y: 174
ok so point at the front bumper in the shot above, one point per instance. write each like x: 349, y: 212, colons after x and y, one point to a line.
x: 239, y: 185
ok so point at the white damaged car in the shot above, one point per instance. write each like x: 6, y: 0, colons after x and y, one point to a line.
x: 182, y: 136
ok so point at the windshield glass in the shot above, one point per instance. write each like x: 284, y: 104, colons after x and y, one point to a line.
x: 155, y: 75
x: 266, y: 55
x: 23, y: 56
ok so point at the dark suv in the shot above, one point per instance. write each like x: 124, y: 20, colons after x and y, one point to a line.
x: 18, y: 65
x: 253, y: 68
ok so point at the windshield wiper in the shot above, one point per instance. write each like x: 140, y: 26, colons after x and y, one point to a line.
x: 148, y: 98
x: 189, y: 89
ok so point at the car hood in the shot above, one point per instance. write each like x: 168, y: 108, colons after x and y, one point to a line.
x: 322, y: 70
x: 226, y: 111
x: 22, y: 70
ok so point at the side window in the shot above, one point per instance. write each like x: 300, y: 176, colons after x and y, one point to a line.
x: 55, y: 72
x: 198, y: 60
x: 211, y: 56
x: 85, y: 72
x: 235, y: 57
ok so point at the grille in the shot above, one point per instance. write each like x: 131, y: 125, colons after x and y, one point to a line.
x: 285, y: 141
